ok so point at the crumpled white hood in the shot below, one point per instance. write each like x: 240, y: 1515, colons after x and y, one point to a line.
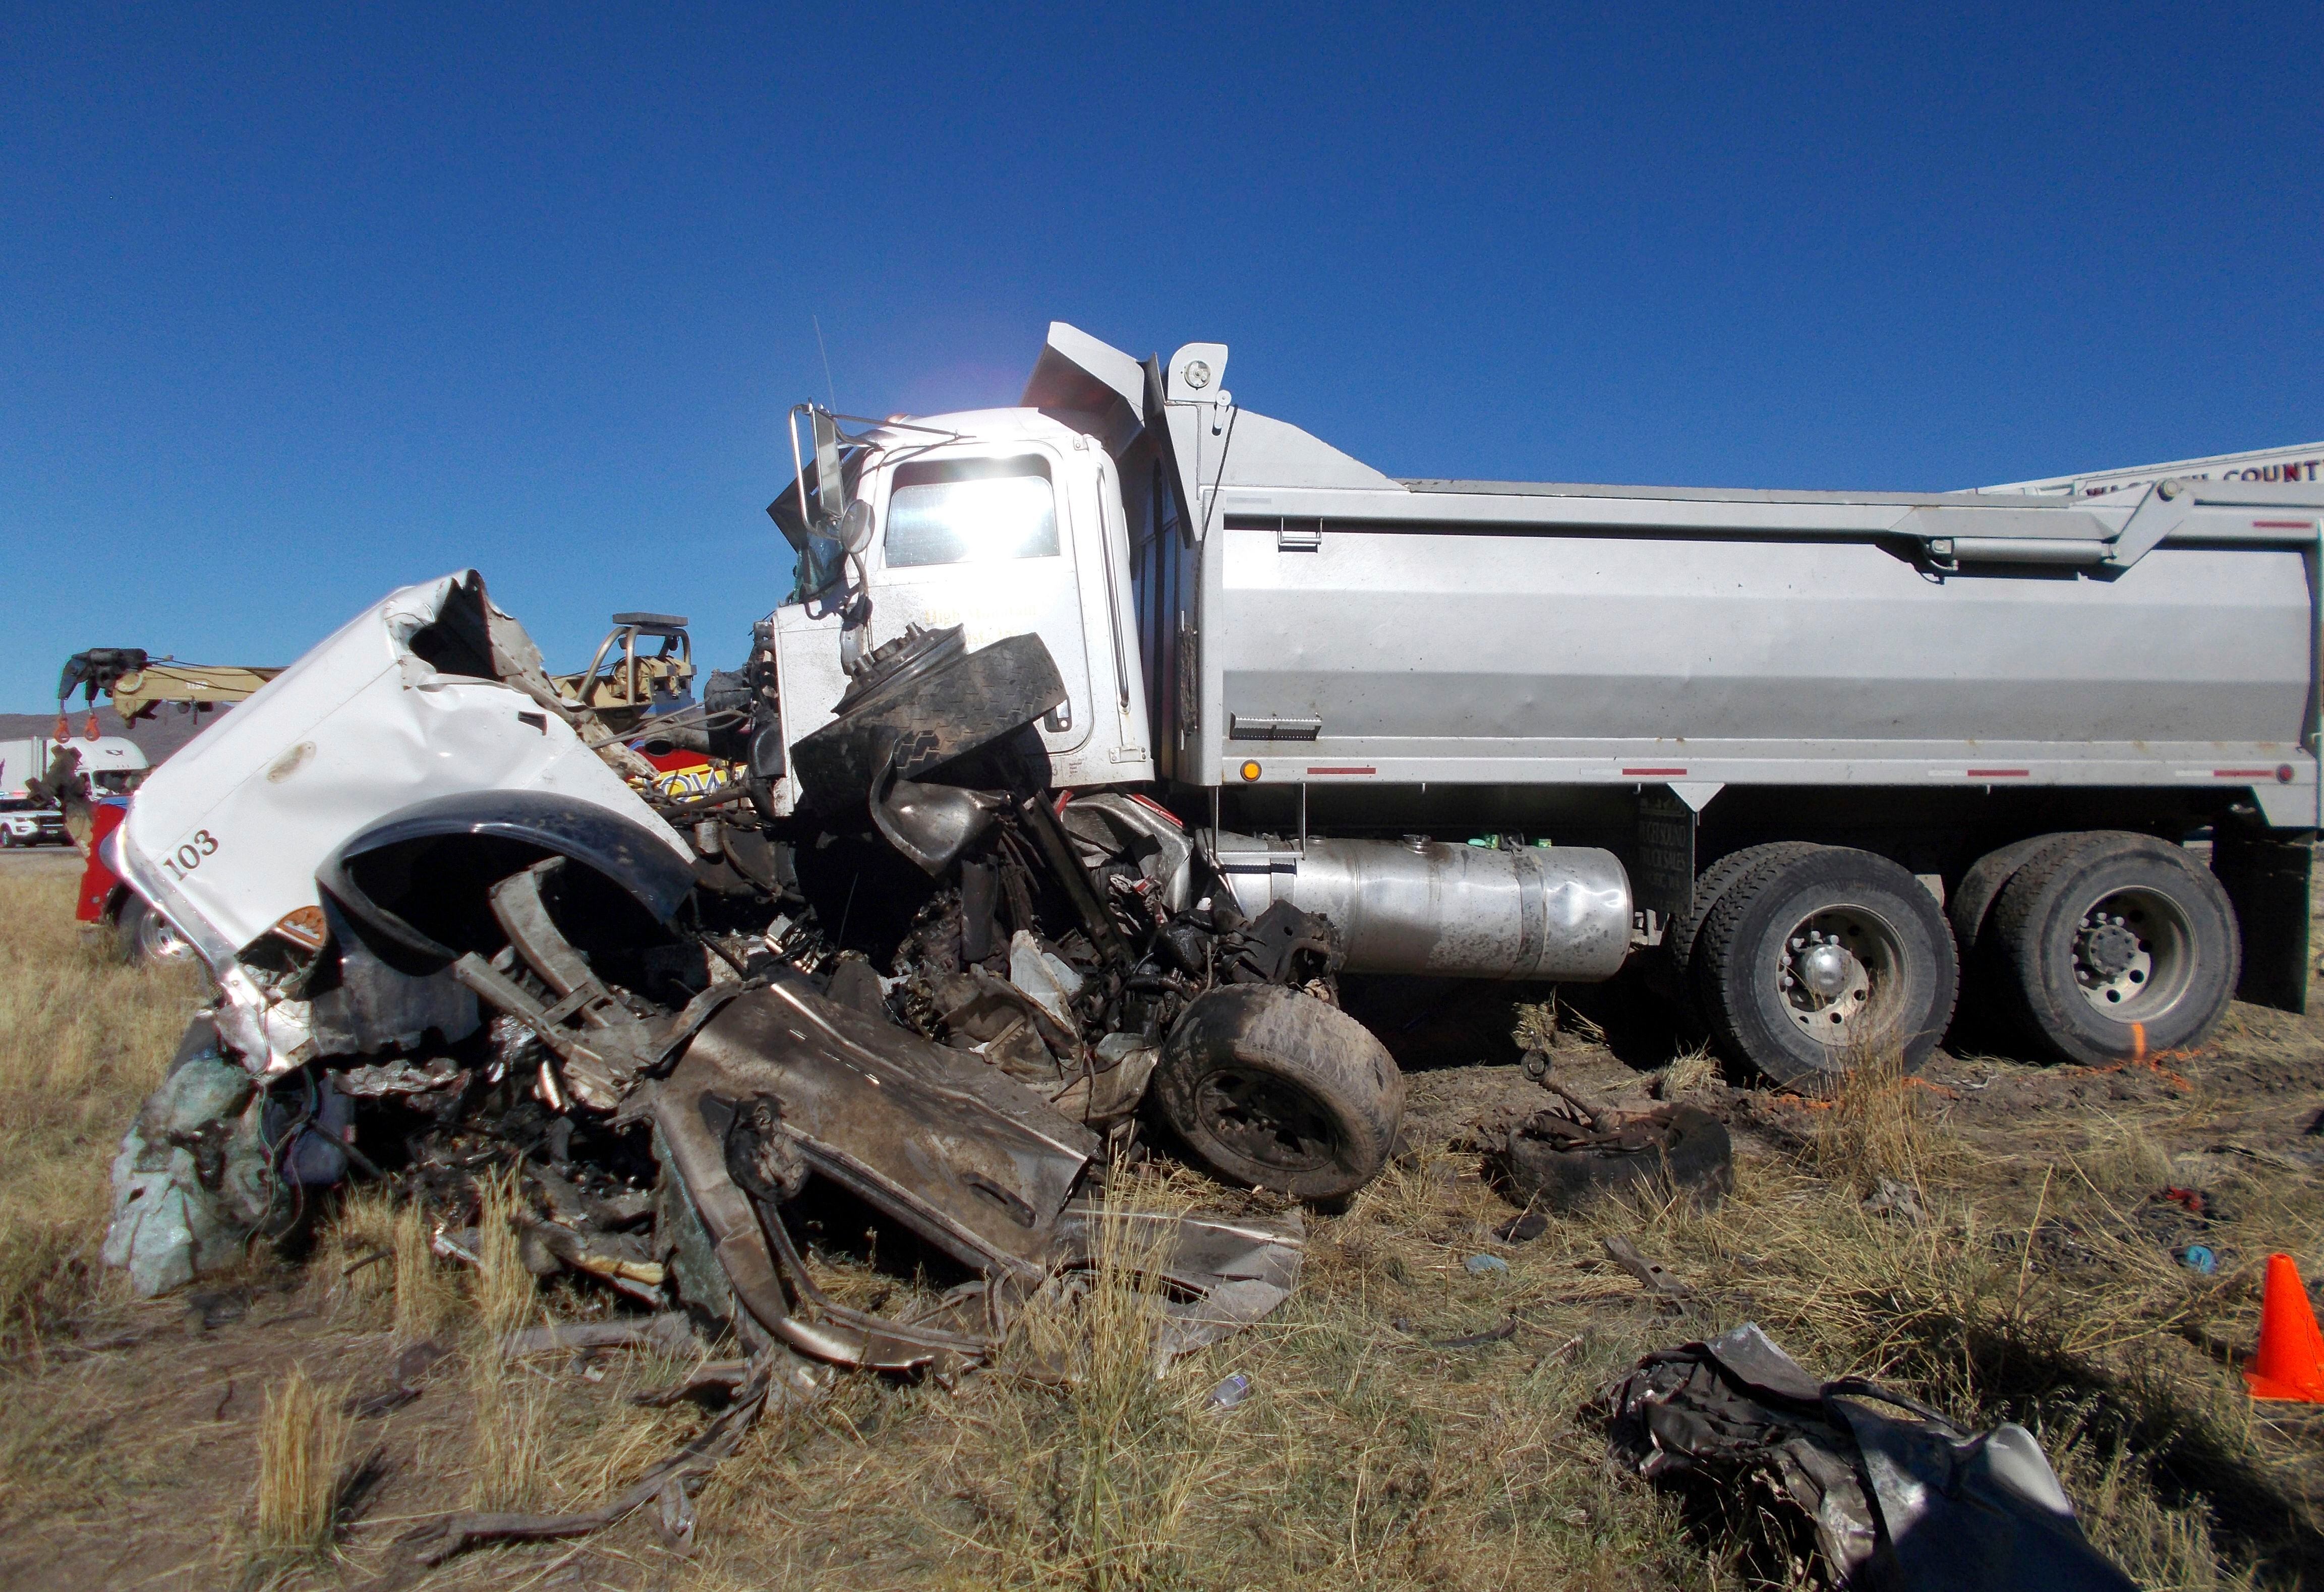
x: 225, y: 837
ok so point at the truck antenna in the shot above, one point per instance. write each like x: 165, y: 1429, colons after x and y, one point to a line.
x: 829, y: 385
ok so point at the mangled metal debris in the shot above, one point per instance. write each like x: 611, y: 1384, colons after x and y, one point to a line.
x: 1561, y: 1156
x: 464, y: 933
x: 1891, y: 1493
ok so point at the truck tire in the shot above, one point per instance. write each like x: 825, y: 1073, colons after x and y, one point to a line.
x: 143, y: 937
x: 1812, y: 964
x: 1991, y: 1016
x: 2117, y: 945
x: 1274, y: 1089
x: 1715, y: 881
x: 1971, y: 904
x: 1688, y: 1152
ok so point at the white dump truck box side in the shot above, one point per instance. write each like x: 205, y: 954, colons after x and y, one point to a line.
x: 1566, y: 649
x: 1307, y: 619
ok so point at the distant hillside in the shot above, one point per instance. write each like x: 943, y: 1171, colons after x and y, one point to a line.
x: 157, y: 737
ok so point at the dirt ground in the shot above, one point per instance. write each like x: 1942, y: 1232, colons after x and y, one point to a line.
x: 2035, y: 1273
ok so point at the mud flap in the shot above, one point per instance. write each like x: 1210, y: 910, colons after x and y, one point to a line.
x: 2266, y: 878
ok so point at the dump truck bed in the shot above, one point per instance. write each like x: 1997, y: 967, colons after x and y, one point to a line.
x: 1355, y: 629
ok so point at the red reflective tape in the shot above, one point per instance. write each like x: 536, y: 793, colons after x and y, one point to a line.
x: 1145, y: 801
x: 1998, y: 773
x: 1656, y: 773
x: 2242, y: 773
x: 1343, y: 770
x: 2284, y: 525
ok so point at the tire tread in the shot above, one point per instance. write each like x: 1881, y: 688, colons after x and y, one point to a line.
x: 1713, y: 883
x: 2027, y: 901
x: 1722, y: 983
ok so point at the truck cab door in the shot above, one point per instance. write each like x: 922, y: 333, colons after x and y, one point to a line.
x: 990, y: 541
x: 1002, y: 538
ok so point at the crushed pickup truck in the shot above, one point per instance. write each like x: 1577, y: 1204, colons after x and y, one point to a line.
x: 459, y: 926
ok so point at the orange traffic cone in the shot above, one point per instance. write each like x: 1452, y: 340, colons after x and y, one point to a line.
x: 2289, y: 1363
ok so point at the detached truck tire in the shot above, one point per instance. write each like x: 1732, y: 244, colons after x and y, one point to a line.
x: 2116, y: 945
x: 1816, y: 962
x: 1276, y: 1089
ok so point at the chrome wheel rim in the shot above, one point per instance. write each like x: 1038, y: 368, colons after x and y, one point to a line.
x: 158, y: 942
x: 1836, y: 976
x: 2134, y: 955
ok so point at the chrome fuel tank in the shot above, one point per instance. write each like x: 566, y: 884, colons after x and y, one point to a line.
x: 1453, y: 911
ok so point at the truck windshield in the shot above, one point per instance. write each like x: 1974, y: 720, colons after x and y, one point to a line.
x: 970, y: 511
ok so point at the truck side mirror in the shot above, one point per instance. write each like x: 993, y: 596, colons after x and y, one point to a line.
x: 830, y: 488
x: 855, y: 528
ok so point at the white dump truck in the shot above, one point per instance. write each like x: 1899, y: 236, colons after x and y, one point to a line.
x: 1099, y: 735
x: 1534, y: 730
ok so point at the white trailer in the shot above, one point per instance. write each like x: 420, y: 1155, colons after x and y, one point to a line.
x: 2300, y: 465
x: 102, y: 766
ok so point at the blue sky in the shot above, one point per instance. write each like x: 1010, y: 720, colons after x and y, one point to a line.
x: 301, y: 304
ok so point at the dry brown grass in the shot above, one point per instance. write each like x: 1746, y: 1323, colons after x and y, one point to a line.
x: 509, y: 1459
x: 1108, y: 1456
x: 1371, y: 1451
x: 1873, y: 1125
x: 505, y: 1294
x: 1689, y: 1070
x: 352, y: 1271
x: 302, y: 1453
x: 426, y: 1296
x: 83, y: 1040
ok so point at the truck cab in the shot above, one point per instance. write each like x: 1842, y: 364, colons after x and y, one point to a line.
x: 1004, y: 522
x: 101, y: 766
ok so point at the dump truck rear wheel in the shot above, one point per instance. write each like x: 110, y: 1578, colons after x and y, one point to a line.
x: 1989, y: 1012
x: 1271, y: 1087
x: 1813, y: 964
x: 1715, y: 881
x: 1970, y: 906
x: 2118, y: 946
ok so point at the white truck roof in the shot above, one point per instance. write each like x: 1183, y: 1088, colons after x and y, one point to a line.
x: 2301, y: 464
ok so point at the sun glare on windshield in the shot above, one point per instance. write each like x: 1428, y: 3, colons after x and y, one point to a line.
x: 958, y: 516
